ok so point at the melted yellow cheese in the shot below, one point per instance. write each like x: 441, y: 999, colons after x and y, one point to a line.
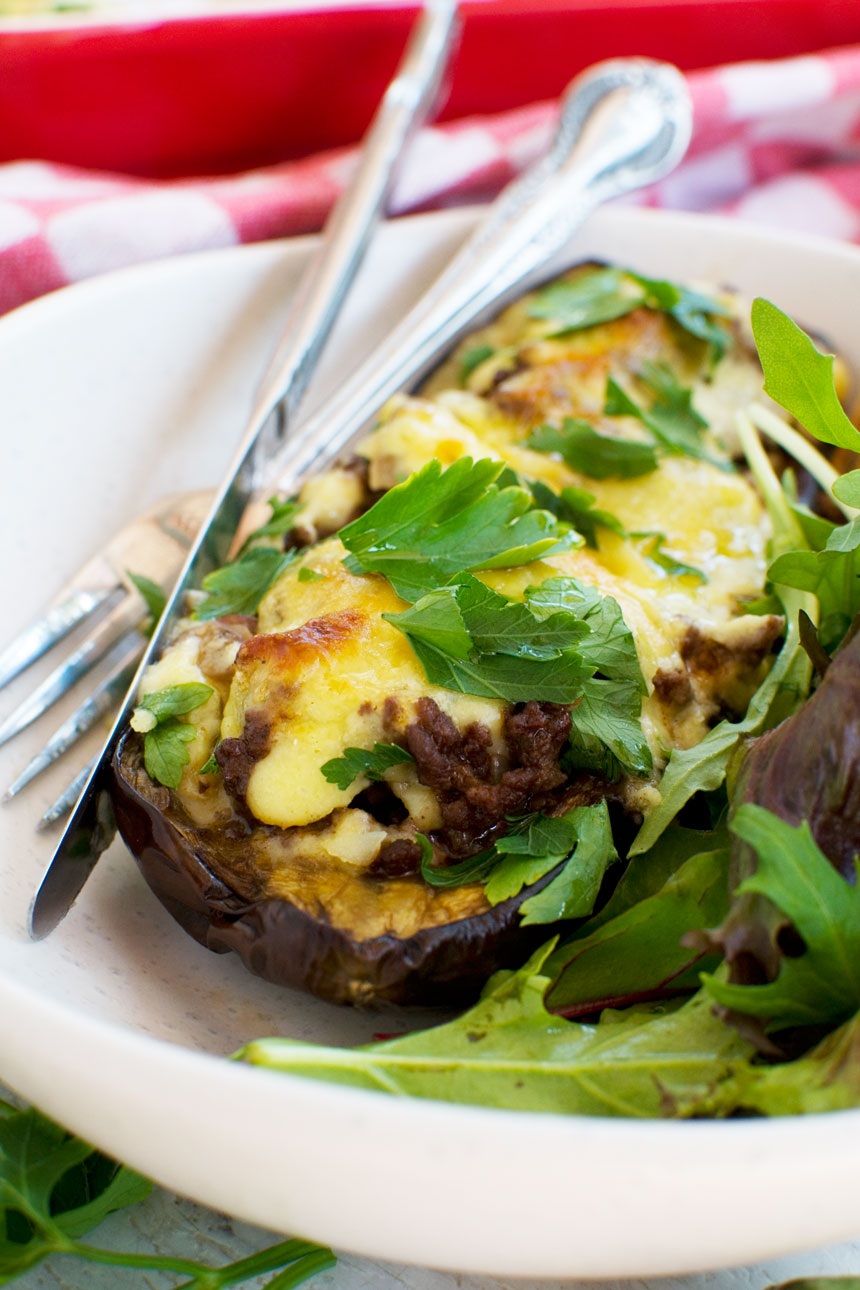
x: 326, y: 672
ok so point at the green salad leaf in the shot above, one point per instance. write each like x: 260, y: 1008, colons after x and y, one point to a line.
x: 638, y: 954
x: 508, y: 1051
x: 820, y: 984
x: 372, y: 763
x: 799, y: 377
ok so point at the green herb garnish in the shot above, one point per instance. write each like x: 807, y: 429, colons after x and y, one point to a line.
x: 427, y: 531
x: 361, y: 761
x: 600, y: 456
x: 239, y: 587
x: 152, y: 594
x: 164, y: 751
x: 474, y: 358
x: 671, y: 418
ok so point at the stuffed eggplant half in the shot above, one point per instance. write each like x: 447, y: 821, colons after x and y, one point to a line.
x: 416, y: 722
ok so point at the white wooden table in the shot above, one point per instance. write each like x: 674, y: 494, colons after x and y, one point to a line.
x: 175, y: 1226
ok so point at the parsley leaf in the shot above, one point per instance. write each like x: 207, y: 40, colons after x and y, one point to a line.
x: 471, y: 640
x: 576, y: 507
x: 164, y: 751
x: 799, y: 377
x: 428, y: 530
x: 595, y: 296
x: 175, y: 700
x: 671, y: 418
x: 572, y: 893
x: 239, y: 587
x: 472, y: 359
x: 669, y: 564
x: 822, y: 984
x: 361, y: 761
x: 610, y: 646
x: 306, y: 574
x: 280, y: 521
x: 608, y: 717
x: 604, y: 293
x: 600, y: 456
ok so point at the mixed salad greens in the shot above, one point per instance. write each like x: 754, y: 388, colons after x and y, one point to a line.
x: 722, y: 976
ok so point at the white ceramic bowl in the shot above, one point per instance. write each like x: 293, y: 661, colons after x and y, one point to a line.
x: 111, y: 395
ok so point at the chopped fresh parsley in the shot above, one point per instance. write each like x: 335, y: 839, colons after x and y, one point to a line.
x: 671, y: 418
x: 472, y: 359
x: 239, y: 587
x: 600, y: 456
x: 602, y: 294
x: 427, y: 531
x: 578, y: 508
x: 474, y: 641
x: 361, y: 761
x: 652, y: 549
x: 281, y: 520
x: 156, y: 717
x: 306, y: 574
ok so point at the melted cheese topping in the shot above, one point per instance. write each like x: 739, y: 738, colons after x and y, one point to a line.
x: 326, y: 672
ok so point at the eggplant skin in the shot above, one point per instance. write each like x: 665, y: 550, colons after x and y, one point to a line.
x: 442, y: 965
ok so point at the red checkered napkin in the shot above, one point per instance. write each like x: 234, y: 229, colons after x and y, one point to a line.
x: 774, y: 142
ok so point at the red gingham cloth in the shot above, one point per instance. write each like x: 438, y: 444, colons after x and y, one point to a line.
x: 774, y: 142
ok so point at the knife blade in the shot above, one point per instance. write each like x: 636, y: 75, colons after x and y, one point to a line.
x: 407, y: 101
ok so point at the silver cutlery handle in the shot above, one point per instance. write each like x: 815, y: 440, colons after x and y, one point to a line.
x: 623, y: 125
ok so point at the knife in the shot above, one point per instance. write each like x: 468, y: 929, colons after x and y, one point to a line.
x: 406, y: 103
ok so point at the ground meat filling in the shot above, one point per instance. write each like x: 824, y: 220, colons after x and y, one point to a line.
x: 475, y: 796
x: 238, y: 757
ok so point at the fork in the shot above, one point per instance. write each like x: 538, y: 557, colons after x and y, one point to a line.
x: 102, y: 592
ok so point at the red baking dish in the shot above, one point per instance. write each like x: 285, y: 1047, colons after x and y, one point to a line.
x: 223, y: 91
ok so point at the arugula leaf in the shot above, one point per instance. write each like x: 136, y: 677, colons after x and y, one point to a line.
x: 152, y: 594
x: 572, y: 893
x: 472, y: 359
x: 425, y: 532
x: 638, y: 954
x: 509, y: 1052
x: 671, y: 418
x: 799, y: 377
x: 576, y: 507
x: 164, y: 751
x: 55, y: 1188
x: 239, y: 587
x: 822, y: 984
x: 600, y: 456
x: 832, y: 575
x: 360, y: 761
x: 847, y: 488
